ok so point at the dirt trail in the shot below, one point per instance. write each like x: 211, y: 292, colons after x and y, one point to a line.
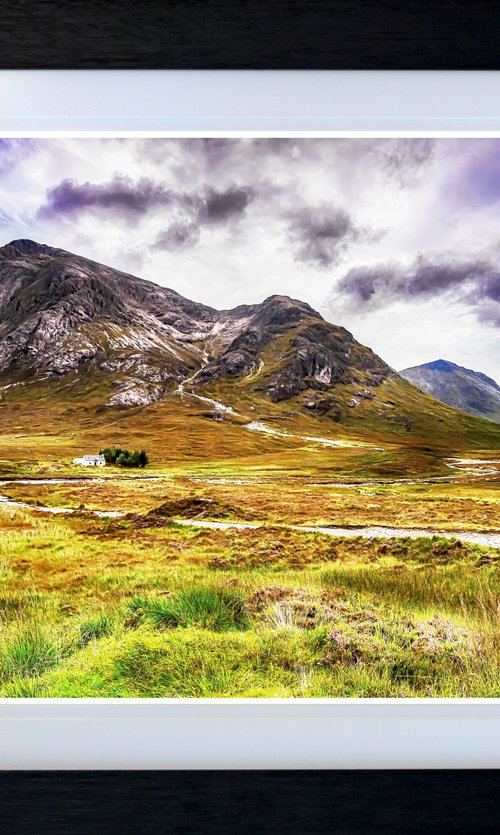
x: 464, y: 468
x: 257, y: 426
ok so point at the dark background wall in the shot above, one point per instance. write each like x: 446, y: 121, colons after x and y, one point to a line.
x: 249, y: 803
x: 245, y: 34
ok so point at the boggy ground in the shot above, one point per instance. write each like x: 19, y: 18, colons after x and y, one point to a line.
x: 467, y: 504
x: 140, y: 605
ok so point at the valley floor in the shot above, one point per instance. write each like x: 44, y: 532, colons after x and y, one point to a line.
x: 216, y: 580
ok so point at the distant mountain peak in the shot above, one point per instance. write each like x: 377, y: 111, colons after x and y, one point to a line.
x: 440, y: 365
x: 470, y: 391
x: 447, y: 366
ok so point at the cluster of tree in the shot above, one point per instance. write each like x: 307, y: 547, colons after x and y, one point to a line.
x: 124, y: 458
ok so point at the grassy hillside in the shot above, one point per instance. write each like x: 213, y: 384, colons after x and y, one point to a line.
x: 45, y: 423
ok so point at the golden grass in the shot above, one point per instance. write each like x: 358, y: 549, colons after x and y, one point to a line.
x: 273, y: 498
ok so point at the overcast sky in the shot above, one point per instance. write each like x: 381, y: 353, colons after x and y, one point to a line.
x: 396, y: 239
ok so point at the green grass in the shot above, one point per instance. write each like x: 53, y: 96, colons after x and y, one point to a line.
x: 124, y: 608
x: 322, y: 662
x: 30, y: 651
x: 206, y: 608
x: 445, y: 588
x: 93, y: 629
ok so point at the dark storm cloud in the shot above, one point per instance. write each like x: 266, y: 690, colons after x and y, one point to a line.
x: 492, y: 287
x: 320, y: 235
x: 220, y: 206
x: 124, y: 197
x: 120, y: 194
x: 382, y: 282
x: 177, y: 237
x: 365, y: 283
x: 485, y: 298
x: 475, y: 283
x: 214, y: 207
x: 427, y: 277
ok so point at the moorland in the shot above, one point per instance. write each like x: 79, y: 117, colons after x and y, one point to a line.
x: 309, y: 524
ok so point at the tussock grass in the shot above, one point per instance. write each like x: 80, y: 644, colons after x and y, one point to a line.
x: 24, y: 688
x: 204, y: 607
x: 29, y: 652
x: 193, y: 662
x: 93, y: 629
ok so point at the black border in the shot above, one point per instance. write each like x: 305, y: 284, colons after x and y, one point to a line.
x: 250, y: 34
x: 258, y: 802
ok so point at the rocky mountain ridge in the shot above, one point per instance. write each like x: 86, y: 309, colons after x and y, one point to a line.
x: 62, y: 313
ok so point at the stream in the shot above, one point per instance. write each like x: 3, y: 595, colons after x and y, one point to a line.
x: 488, y: 539
x: 6, y: 502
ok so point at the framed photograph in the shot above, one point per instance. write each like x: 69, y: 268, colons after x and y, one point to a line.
x: 250, y: 430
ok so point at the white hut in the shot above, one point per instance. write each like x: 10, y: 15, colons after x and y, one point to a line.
x: 90, y: 461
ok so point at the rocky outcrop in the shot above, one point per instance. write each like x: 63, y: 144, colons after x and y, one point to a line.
x: 136, y: 394
x: 323, y: 405
x: 237, y: 361
x: 324, y: 355
x: 59, y: 310
x: 259, y: 326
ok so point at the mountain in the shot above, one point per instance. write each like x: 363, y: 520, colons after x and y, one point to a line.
x: 60, y: 312
x: 84, y: 347
x: 464, y: 389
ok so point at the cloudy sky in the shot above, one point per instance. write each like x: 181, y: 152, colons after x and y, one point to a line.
x: 396, y: 239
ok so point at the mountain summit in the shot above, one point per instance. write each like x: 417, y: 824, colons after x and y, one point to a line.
x: 62, y: 313
x: 470, y: 391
